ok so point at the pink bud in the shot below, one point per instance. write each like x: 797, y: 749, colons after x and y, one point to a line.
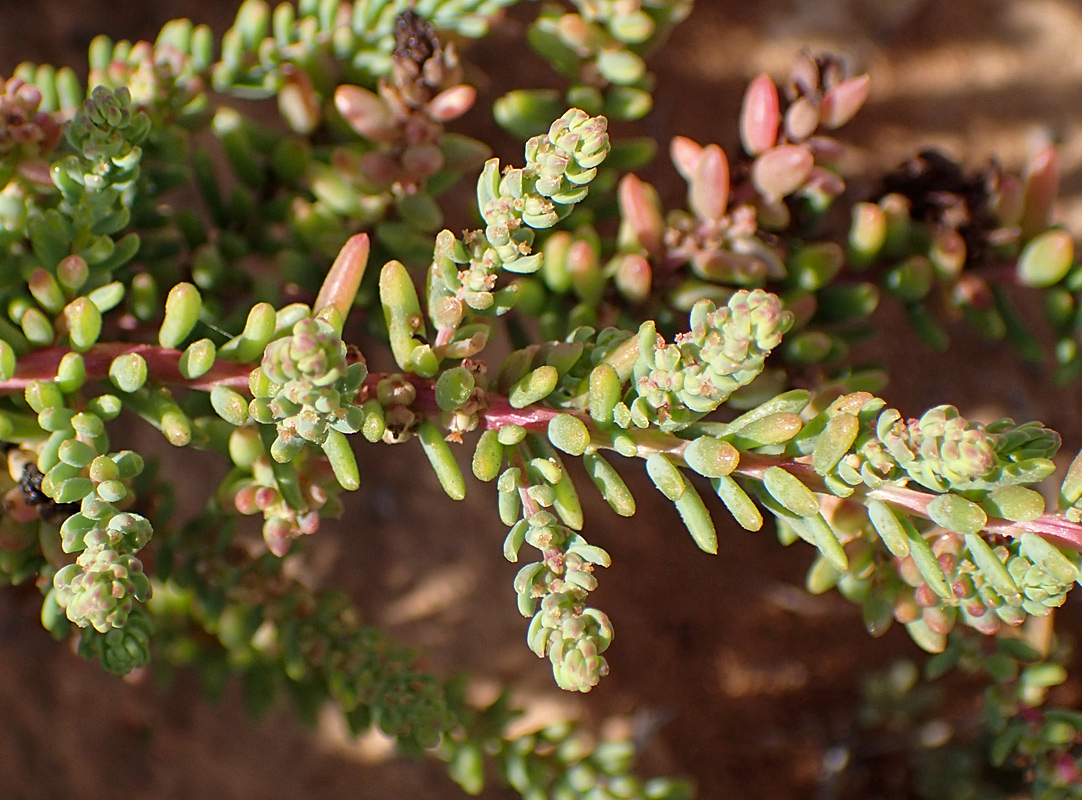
x: 685, y: 155
x: 708, y: 193
x: 378, y: 168
x: 366, y: 112
x: 824, y: 149
x: 298, y: 101
x: 244, y: 500
x: 423, y: 159
x: 633, y: 277
x: 639, y: 210
x: 277, y: 534
x: 452, y: 103
x: 308, y: 523
x: 1010, y: 199
x: 760, y: 117
x: 824, y: 182
x: 842, y: 102
x: 575, y: 31
x: 801, y: 119
x: 1042, y: 182
x: 265, y: 497
x: 781, y: 171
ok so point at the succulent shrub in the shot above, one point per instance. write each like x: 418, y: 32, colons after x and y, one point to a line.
x: 168, y: 258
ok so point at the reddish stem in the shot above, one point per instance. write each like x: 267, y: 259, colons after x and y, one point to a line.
x: 41, y: 365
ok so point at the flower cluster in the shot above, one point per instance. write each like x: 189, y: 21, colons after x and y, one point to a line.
x: 306, y: 386
x: 725, y: 349
x: 26, y: 130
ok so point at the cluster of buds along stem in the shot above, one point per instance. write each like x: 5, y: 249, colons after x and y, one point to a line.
x: 405, y: 117
x: 28, y: 133
x: 166, y: 78
x: 725, y: 349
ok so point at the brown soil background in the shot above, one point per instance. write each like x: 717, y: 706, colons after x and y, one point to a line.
x: 735, y: 676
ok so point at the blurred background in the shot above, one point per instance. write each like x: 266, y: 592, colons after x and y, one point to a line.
x: 723, y: 667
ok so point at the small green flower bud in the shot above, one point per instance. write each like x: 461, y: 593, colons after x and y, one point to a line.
x: 253, y: 340
x: 1046, y: 259
x: 867, y: 234
x: 107, y: 297
x: 488, y: 456
x: 76, y: 453
x: 70, y: 373
x: 106, y: 406
x: 103, y: 468
x: 182, y: 308
x: 197, y: 359
x: 72, y: 273
x: 534, y: 387
x: 510, y: 435
x: 37, y: 328
x: 374, y: 424
x: 84, y: 323
x: 229, y: 405
x: 569, y: 434
x: 45, y: 289
x: 128, y: 372
x: 41, y: 395
x: 454, y: 387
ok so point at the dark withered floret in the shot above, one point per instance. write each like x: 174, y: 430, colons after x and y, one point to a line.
x: 414, y: 38
x: 48, y: 509
x: 941, y: 194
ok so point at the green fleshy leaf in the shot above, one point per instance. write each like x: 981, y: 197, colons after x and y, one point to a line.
x: 993, y: 570
x: 569, y: 434
x: 834, y: 442
x: 957, y: 514
x: 488, y: 456
x: 442, y: 460
x: 610, y: 484
x: 827, y: 541
x: 888, y: 527
x: 741, y: 506
x: 787, y: 489
x: 711, y: 457
x: 1049, y: 557
x: 1016, y: 503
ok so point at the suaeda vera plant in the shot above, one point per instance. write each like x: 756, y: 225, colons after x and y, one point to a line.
x: 709, y: 344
